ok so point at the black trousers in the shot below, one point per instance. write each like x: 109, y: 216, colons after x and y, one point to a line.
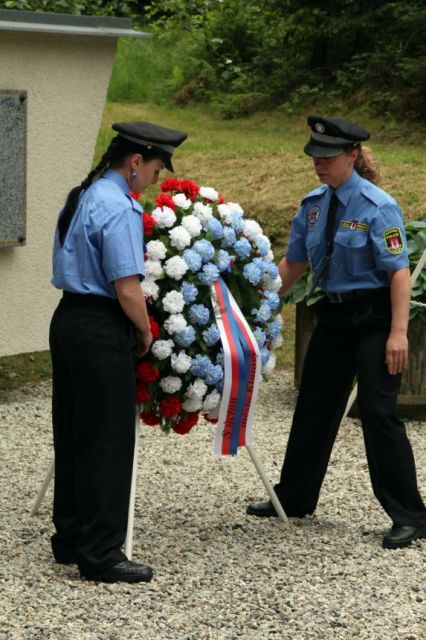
x: 93, y: 412
x: 350, y: 340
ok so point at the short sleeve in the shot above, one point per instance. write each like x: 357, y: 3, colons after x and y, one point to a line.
x: 122, y: 244
x: 387, y: 234
x: 296, y: 250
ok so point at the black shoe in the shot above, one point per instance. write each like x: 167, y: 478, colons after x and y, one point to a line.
x: 65, y: 558
x: 126, y: 571
x: 401, y: 536
x: 262, y: 510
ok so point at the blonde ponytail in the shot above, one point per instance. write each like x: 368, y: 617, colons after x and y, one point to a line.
x: 367, y: 166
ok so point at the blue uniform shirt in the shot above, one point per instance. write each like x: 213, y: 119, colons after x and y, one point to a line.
x: 104, y: 241
x: 369, y: 235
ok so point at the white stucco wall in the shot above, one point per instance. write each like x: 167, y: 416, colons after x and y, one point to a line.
x: 66, y: 78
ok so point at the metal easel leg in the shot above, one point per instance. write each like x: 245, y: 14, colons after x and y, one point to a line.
x: 43, y: 489
x: 128, y: 545
x: 268, y: 486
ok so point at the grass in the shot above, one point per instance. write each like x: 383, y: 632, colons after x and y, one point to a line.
x: 259, y: 162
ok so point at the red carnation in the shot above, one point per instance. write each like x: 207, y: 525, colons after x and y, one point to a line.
x: 135, y: 195
x: 147, y: 373
x: 142, y: 394
x: 170, y: 407
x: 170, y: 184
x: 148, y: 224
x: 150, y: 419
x: 155, y: 328
x: 212, y: 420
x: 190, y: 189
x: 184, y: 425
x: 220, y: 200
x: 164, y: 200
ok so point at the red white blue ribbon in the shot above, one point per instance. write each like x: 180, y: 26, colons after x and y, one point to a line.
x: 242, y: 373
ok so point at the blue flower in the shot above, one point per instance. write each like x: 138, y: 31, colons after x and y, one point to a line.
x: 261, y: 264
x: 262, y: 245
x: 211, y: 335
x: 252, y: 273
x: 272, y: 299
x: 215, y: 228
x: 185, y: 337
x: 265, y: 355
x: 199, y: 314
x: 214, y: 374
x: 260, y: 336
x: 219, y: 385
x: 236, y: 221
x: 271, y: 269
x: 242, y: 248
x: 205, y: 249
x: 192, y: 259
x: 209, y: 274
x: 220, y: 358
x: 229, y: 237
x: 262, y: 314
x: 274, y: 329
x: 223, y: 260
x: 189, y: 291
x: 200, y: 365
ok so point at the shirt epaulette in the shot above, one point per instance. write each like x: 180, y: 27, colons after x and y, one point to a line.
x: 316, y: 192
x: 376, y: 195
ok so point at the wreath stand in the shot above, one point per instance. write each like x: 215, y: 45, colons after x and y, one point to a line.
x: 128, y: 545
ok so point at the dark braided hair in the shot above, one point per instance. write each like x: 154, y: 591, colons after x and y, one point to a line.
x: 117, y: 151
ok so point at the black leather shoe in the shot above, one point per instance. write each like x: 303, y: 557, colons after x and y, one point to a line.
x: 65, y: 559
x: 126, y: 571
x: 262, y: 510
x: 402, y: 535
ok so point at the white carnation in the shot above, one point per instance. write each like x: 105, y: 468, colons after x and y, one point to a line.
x: 252, y: 229
x: 277, y: 342
x: 268, y: 368
x: 150, y: 288
x: 182, y: 201
x: 174, y: 323
x: 173, y: 302
x: 211, y: 401
x: 156, y: 250
x: 162, y: 348
x: 170, y: 384
x: 224, y: 211
x: 209, y: 193
x: 197, y: 389
x: 192, y: 404
x: 269, y: 256
x: 214, y: 413
x: 180, y: 238
x: 203, y: 212
x: 272, y: 284
x: 153, y: 269
x: 175, y: 267
x: 164, y: 217
x: 181, y: 362
x: 192, y: 224
x: 235, y: 207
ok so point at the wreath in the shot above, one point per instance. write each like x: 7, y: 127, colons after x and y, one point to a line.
x: 193, y: 237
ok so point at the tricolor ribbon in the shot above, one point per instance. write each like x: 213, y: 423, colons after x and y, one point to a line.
x: 242, y: 367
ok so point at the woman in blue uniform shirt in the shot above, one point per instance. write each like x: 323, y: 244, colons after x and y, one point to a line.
x: 352, y: 234
x: 100, y: 324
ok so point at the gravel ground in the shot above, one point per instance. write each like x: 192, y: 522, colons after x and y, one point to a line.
x: 220, y: 575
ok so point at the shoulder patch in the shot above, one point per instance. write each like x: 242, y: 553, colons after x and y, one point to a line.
x: 393, y: 239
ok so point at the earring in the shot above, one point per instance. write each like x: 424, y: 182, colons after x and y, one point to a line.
x: 134, y: 174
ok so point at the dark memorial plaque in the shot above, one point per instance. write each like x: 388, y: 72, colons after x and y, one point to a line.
x: 13, y: 152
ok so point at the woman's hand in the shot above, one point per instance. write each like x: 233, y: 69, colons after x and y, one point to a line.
x: 396, y: 352
x: 144, y: 342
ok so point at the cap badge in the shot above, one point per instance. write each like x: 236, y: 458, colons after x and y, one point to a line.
x: 319, y: 127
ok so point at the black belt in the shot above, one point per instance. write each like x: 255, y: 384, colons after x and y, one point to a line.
x: 355, y: 293
x: 89, y: 299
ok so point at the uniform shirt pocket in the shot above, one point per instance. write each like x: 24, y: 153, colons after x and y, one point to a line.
x: 355, y: 251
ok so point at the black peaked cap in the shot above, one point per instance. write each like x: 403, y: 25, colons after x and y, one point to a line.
x: 332, y: 136
x: 151, y: 136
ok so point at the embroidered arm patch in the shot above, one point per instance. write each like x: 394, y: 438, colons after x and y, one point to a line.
x: 393, y: 239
